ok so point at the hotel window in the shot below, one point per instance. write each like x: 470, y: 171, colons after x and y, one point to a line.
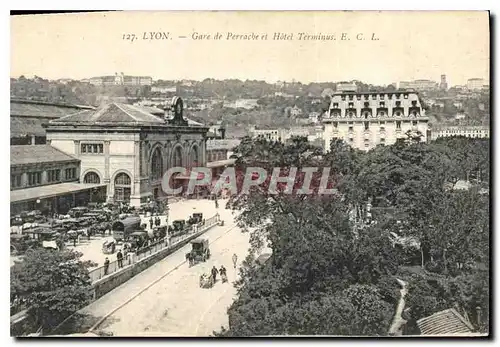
x: 414, y: 122
x: 15, y: 181
x: 398, y: 124
x: 53, y: 175
x: 405, y: 96
x: 34, y: 178
x: 70, y: 173
x: 382, y: 104
x: 374, y: 96
x: 335, y: 105
x: 382, y: 141
x: 382, y: 96
x: 367, y: 96
x: 381, y: 113
x: 398, y: 96
x: 93, y: 148
x: 367, y: 125
x: 414, y: 103
x: 358, y: 97
x: 351, y: 97
x: 398, y: 103
x: 367, y: 104
x: 351, y: 139
x: 351, y: 128
x: 342, y: 97
x: 335, y: 125
x: 351, y: 105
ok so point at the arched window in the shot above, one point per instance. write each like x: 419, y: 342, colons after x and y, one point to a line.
x: 177, y: 160
x: 122, y: 187
x: 194, y: 156
x: 156, y: 165
x: 91, y: 178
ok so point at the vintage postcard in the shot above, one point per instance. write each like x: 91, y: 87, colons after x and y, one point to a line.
x: 242, y: 174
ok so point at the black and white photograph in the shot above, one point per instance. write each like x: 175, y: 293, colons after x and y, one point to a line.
x: 250, y: 174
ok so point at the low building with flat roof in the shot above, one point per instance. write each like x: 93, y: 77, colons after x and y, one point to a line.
x: 45, y: 178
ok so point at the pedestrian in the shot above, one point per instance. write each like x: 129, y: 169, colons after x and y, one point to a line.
x: 119, y: 257
x: 106, y: 266
x: 157, y: 221
x: 222, y: 270
x: 151, y: 223
x: 88, y: 234
x: 74, y: 241
x: 214, y: 273
x: 216, y: 203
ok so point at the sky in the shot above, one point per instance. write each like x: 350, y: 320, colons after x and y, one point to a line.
x: 409, y: 45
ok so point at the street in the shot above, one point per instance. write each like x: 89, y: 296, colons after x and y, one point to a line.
x: 176, y: 305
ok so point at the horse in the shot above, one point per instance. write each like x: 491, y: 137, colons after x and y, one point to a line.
x: 190, y: 258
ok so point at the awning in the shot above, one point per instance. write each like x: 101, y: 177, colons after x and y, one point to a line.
x: 50, y: 191
x: 221, y: 163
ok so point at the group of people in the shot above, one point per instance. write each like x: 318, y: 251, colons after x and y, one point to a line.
x: 222, y: 271
x: 119, y: 258
x: 156, y: 222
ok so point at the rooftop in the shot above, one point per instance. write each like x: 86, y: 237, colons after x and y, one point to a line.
x: 37, y: 154
x: 447, y: 322
x: 30, y: 108
x: 111, y: 113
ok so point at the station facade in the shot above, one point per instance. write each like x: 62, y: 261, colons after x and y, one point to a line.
x: 128, y: 149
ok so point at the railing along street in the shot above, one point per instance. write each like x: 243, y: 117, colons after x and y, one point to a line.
x: 132, y: 258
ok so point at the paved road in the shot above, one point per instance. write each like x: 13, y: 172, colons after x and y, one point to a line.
x: 176, y: 305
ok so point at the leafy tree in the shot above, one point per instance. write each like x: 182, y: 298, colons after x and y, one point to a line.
x: 53, y: 284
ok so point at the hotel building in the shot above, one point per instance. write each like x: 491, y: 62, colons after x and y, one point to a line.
x: 365, y: 120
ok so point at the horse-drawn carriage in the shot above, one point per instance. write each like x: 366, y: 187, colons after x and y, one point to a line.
x: 199, y: 252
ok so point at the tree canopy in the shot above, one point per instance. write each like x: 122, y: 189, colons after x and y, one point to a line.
x: 53, y: 284
x: 335, y: 260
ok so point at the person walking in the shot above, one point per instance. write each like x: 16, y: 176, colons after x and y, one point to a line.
x: 151, y: 223
x: 106, y: 266
x: 223, y: 273
x: 119, y: 257
x: 216, y: 203
x: 214, y: 273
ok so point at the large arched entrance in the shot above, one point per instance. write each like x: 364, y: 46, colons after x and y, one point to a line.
x: 177, y: 157
x: 194, y: 156
x: 156, y: 165
x: 122, y: 187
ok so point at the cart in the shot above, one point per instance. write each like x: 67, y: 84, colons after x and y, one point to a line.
x: 206, y: 281
x: 199, y: 252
